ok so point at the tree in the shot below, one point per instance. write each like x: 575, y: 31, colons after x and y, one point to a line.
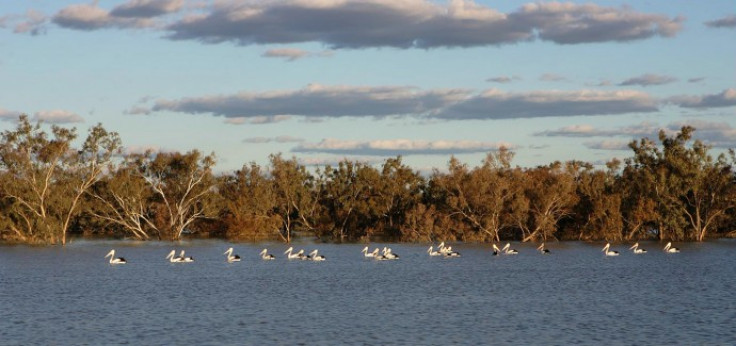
x: 294, y: 192
x: 50, y: 177
x: 183, y: 188
x: 249, y: 204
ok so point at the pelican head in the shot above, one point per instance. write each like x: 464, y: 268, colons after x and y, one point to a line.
x: 495, y: 248
x: 668, y: 246
x: 228, y: 252
x: 430, y: 249
x: 171, y: 254
x: 263, y: 252
x: 636, y: 245
x: 110, y: 254
x: 290, y: 249
x: 506, y: 247
x: 607, y: 247
x: 540, y: 247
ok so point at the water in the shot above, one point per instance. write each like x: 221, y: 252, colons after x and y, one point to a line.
x: 70, y: 295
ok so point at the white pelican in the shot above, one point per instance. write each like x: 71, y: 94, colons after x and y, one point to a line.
x: 670, y: 249
x: 542, y: 249
x: 230, y: 257
x: 431, y: 252
x: 508, y: 250
x: 266, y: 256
x: 114, y: 260
x: 178, y: 259
x: 290, y: 255
x: 447, y: 250
x: 636, y: 249
x: 606, y: 250
x: 388, y: 254
x: 184, y: 258
x: 369, y: 254
x: 496, y: 250
x: 315, y: 256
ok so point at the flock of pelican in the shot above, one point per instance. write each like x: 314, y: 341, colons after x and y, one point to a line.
x: 637, y: 250
x: 379, y: 255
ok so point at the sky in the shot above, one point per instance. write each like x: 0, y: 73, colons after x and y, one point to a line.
x: 324, y: 80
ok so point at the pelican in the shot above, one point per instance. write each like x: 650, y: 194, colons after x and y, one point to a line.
x: 266, y: 256
x: 608, y: 252
x: 230, y: 257
x: 184, y: 258
x: 388, y: 254
x: 542, y: 249
x: 508, y: 250
x: 636, y: 249
x: 290, y: 255
x: 496, y: 250
x: 114, y: 260
x: 315, y: 256
x: 447, y: 250
x: 431, y: 252
x: 369, y: 254
x: 670, y: 249
x: 178, y: 259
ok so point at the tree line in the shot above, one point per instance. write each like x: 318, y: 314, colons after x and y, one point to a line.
x: 671, y: 189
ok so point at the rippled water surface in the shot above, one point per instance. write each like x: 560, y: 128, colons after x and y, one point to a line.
x: 575, y: 295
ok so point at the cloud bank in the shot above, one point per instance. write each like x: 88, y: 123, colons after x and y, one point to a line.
x: 495, y: 104
x: 648, y: 80
x: 394, y: 147
x: 57, y: 116
x: 416, y: 24
x: 726, y: 98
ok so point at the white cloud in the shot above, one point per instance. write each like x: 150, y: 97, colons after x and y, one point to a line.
x: 9, y: 115
x: 93, y: 17
x: 416, y: 24
x: 644, y: 129
x: 503, y: 79
x: 58, y: 116
x: 551, y: 77
x: 147, y: 8
x: 277, y: 139
x: 394, y: 147
x: 317, y: 101
x: 726, y: 98
x: 607, y: 145
x: 648, y: 80
x: 496, y: 104
x: 289, y: 54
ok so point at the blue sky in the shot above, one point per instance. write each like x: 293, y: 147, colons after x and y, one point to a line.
x: 327, y: 79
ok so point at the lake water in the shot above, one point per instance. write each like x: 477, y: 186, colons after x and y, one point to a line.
x: 72, y: 296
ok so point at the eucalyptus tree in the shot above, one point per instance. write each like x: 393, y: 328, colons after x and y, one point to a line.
x: 183, y: 189
x: 398, y: 190
x: 597, y: 211
x: 49, y: 176
x: 550, y: 191
x: 249, y: 204
x: 350, y: 200
x: 294, y: 190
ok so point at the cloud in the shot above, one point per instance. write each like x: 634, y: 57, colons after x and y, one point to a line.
x: 503, y: 79
x: 415, y: 24
x: 92, y: 17
x: 138, y: 110
x: 317, y: 101
x: 726, y: 22
x: 726, y: 98
x: 146, y: 8
x: 278, y: 139
x: 648, y: 79
x: 335, y: 160
x: 495, y: 104
x: 607, y: 145
x: 394, y: 147
x: 57, y: 116
x: 717, y: 134
x: 289, y: 54
x: 34, y: 23
x: 9, y: 115
x: 551, y: 77
x: 644, y: 129
x: 696, y: 80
